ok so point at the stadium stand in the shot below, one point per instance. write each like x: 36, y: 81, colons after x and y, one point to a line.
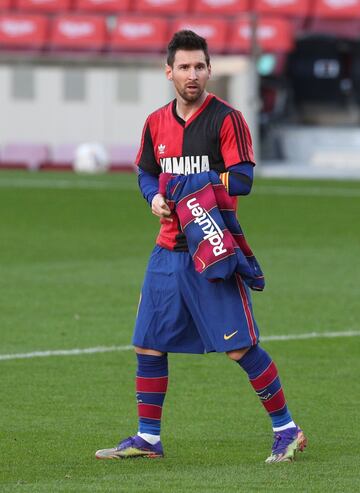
x: 222, y: 7
x: 214, y: 30
x: 103, y: 6
x: 25, y: 32
x: 162, y: 6
x: 42, y: 6
x: 24, y: 156
x: 122, y: 157
x: 136, y: 33
x: 309, y: 50
x: 78, y: 32
x: 144, y: 25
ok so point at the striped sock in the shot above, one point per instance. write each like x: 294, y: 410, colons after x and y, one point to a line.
x: 151, y: 385
x: 265, y: 380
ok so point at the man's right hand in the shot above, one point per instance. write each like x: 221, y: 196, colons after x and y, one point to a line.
x: 160, y: 208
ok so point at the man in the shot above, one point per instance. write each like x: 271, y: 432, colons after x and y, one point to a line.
x: 180, y: 310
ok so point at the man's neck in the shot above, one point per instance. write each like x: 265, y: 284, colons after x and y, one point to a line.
x: 185, y: 109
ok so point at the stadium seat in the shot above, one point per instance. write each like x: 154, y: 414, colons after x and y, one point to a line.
x: 24, y: 156
x: 287, y: 8
x: 122, y: 157
x: 61, y: 158
x: 297, y: 11
x: 340, y: 9
x: 42, y: 6
x: 79, y: 32
x: 273, y: 35
x: 23, y: 31
x: 6, y: 5
x: 213, y: 29
x: 335, y: 18
x: 162, y: 6
x: 103, y: 6
x: 223, y: 7
x: 137, y: 33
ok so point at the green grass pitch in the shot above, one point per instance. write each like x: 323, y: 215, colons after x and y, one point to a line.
x: 73, y: 250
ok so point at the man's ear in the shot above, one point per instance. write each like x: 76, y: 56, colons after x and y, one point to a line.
x: 209, y: 70
x: 168, y: 72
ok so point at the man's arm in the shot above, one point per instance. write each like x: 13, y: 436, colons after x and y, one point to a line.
x: 236, y: 149
x: 149, y: 186
x: 148, y: 177
x: 238, y: 179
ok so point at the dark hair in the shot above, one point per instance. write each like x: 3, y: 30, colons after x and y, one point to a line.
x: 186, y: 40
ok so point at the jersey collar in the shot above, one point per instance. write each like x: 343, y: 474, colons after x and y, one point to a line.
x: 186, y: 123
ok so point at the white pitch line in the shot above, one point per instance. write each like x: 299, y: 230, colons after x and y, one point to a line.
x: 311, y: 335
x: 65, y: 184
x: 64, y: 352
x: 111, y: 349
x: 307, y: 191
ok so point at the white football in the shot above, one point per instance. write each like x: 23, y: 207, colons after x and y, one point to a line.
x: 91, y: 158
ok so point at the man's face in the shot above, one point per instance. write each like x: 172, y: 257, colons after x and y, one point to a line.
x: 189, y: 74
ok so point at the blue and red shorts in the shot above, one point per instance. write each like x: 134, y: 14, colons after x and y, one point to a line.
x: 182, y: 312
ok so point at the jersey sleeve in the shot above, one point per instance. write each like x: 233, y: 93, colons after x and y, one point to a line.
x: 145, y: 158
x: 235, y: 140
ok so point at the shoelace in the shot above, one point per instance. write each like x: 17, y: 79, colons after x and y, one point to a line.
x: 128, y: 442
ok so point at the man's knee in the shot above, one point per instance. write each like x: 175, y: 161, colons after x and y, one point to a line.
x: 237, y: 354
x: 151, y: 352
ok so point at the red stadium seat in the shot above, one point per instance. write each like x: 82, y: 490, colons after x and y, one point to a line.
x: 337, y: 9
x: 106, y: 6
x: 162, y: 6
x: 23, y: 31
x: 24, y: 155
x: 139, y: 33
x: 291, y: 8
x: 222, y: 7
x: 82, y: 32
x: 214, y: 30
x: 6, y: 5
x: 274, y: 35
x: 337, y: 18
x: 295, y: 10
x: 43, y: 6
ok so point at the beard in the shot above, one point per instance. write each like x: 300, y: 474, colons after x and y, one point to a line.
x: 191, y: 96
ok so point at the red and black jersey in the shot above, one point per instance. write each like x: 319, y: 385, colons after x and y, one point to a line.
x: 214, y: 138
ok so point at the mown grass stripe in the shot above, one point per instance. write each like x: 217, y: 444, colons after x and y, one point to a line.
x: 93, y: 183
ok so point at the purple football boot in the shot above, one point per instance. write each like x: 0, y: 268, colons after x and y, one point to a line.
x: 131, y: 448
x: 286, y: 444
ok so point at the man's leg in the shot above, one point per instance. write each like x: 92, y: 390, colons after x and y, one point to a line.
x: 151, y: 386
x: 264, y: 378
